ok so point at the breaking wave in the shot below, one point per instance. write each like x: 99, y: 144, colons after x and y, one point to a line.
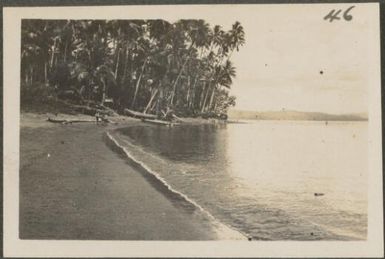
x: 223, y: 231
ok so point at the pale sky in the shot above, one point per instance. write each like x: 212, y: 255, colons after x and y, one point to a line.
x: 287, y: 47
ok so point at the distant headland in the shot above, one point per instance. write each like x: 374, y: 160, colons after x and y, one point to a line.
x: 295, y: 115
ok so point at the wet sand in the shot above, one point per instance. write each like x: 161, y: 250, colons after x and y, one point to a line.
x: 73, y: 186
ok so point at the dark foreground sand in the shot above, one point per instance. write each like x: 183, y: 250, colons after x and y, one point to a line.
x: 73, y: 186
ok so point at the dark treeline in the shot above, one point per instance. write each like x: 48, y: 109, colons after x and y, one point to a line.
x: 144, y: 65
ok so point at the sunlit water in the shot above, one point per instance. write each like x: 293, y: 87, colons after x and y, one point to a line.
x: 260, y: 178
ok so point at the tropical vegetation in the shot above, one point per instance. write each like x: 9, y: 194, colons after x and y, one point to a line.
x: 143, y: 65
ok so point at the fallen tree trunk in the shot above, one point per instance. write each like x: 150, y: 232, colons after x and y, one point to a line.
x: 139, y: 115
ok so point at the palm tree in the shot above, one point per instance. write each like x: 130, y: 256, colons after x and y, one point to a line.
x: 145, y: 54
x: 161, y: 33
x: 198, y: 34
x: 236, y: 37
x: 145, y: 65
x: 224, y: 77
x: 227, y: 43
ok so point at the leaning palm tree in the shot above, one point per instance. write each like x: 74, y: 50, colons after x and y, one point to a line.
x: 224, y: 77
x: 198, y: 35
x: 227, y: 43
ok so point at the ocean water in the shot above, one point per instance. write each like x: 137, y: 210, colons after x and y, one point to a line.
x: 260, y: 177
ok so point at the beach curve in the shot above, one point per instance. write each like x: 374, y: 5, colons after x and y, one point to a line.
x: 223, y: 231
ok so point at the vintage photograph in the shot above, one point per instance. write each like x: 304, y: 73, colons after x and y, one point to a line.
x: 249, y: 127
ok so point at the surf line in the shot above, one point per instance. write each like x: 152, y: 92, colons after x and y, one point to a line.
x: 223, y: 229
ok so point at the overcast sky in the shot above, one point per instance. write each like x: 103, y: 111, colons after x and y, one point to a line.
x: 287, y: 45
x: 287, y: 48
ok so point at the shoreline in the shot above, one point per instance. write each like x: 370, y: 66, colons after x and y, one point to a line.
x: 159, y: 183
x: 90, y: 194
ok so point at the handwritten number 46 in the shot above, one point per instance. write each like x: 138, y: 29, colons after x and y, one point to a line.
x: 334, y: 15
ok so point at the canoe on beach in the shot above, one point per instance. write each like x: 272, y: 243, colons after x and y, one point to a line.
x: 139, y: 115
x: 235, y: 122
x: 68, y: 121
x: 160, y: 122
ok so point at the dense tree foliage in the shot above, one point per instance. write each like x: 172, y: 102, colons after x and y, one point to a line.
x: 144, y: 65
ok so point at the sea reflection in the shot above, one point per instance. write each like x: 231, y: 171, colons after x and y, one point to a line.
x: 194, y: 143
x: 260, y: 178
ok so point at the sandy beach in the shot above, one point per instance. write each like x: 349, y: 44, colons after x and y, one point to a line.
x: 73, y: 186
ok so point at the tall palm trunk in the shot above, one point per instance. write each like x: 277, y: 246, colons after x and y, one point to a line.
x: 31, y: 74
x: 125, y: 66
x: 213, y: 92
x: 104, y: 91
x: 160, y: 97
x: 138, y: 83
x: 212, y: 97
x: 176, y: 81
x: 153, y: 106
x: 53, y: 53
x: 46, y: 72
x: 203, y: 109
x: 188, y: 89
x: 151, y: 100
x: 180, y: 72
x: 202, y: 97
x: 65, y: 51
x: 26, y: 77
x: 117, y: 65
x: 191, y: 100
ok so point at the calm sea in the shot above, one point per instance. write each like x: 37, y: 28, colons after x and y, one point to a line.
x: 261, y: 177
